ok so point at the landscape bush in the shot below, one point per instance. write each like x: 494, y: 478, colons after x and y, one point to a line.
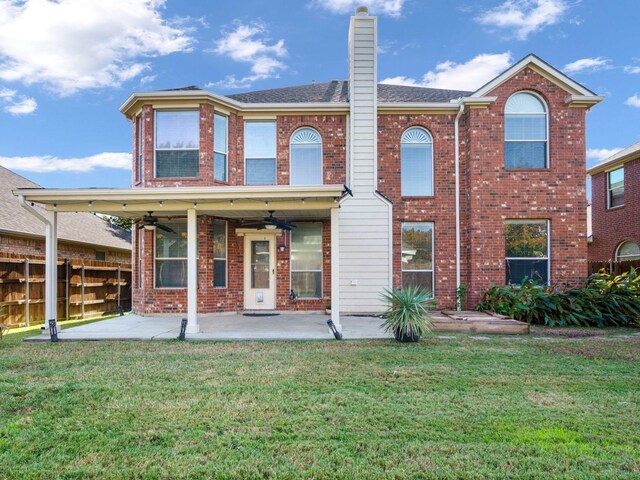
x: 605, y: 300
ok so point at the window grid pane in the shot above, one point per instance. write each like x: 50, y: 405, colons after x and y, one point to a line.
x: 525, y: 154
x: 306, y: 164
x: 177, y: 163
x: 306, y: 260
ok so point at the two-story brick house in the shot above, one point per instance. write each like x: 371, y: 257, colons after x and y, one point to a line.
x: 615, y: 207
x: 369, y: 187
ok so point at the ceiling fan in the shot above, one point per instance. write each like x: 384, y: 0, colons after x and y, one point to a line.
x: 149, y: 222
x: 270, y: 223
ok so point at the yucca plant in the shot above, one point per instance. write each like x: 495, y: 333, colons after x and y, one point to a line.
x: 407, y: 315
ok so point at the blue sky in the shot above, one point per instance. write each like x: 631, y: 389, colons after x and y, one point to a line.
x: 66, y: 66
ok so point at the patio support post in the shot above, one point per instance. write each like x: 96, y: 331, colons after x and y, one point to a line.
x: 51, y: 267
x: 192, y: 271
x: 335, y: 267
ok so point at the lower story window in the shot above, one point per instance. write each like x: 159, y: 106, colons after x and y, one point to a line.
x: 527, y: 250
x: 306, y: 260
x: 171, y: 256
x: 628, y: 251
x: 417, y: 255
x: 219, y: 254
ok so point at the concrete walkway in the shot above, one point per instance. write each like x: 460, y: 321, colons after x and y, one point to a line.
x: 286, y: 326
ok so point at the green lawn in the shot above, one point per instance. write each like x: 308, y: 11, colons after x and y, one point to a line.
x: 526, y: 407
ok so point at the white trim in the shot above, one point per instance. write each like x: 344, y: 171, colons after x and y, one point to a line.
x: 335, y: 268
x: 528, y: 60
x: 291, y: 155
x: 547, y: 159
x: 456, y: 135
x: 192, y: 271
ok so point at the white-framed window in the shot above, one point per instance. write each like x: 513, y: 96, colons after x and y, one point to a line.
x: 615, y: 188
x: 416, y: 163
x: 527, y: 250
x: 140, y: 235
x: 260, y: 152
x: 171, y: 255
x: 220, y: 253
x: 306, y: 260
x: 525, y: 132
x: 140, y: 130
x: 628, y: 250
x: 220, y: 146
x: 306, y: 157
x: 177, y: 143
x: 417, y: 254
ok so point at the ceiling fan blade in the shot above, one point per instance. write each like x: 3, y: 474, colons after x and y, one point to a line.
x: 165, y: 228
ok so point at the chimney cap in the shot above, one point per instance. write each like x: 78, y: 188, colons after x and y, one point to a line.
x: 362, y: 11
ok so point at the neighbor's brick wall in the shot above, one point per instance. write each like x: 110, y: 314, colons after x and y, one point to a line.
x: 496, y: 194
x: 613, y: 226
x: 32, y: 246
x: 439, y: 208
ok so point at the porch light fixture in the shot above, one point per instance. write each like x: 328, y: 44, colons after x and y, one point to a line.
x: 266, y: 204
x: 303, y: 201
x: 231, y: 202
x: 160, y: 203
x: 90, y: 203
x: 195, y: 205
x: 282, y: 248
x: 124, y: 205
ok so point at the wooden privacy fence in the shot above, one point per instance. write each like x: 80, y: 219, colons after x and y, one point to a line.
x: 85, y: 288
x: 615, y: 268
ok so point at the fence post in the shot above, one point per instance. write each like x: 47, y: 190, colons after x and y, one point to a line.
x: 26, y: 291
x: 82, y: 292
x: 67, y: 291
x: 118, y: 287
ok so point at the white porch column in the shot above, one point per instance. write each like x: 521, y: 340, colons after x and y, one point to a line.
x: 335, y: 267
x: 192, y: 271
x: 51, y: 268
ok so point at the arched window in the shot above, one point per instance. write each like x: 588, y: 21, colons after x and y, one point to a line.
x: 417, y: 163
x: 306, y: 157
x: 628, y: 251
x: 525, y: 132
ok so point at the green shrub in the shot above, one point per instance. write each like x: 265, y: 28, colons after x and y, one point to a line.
x: 605, y: 300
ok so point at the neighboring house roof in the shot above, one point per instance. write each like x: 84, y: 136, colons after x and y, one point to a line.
x: 624, y: 155
x: 85, y: 228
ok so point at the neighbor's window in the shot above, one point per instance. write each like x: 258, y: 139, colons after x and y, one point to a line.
x: 417, y: 163
x: 417, y: 255
x: 615, y: 188
x: 306, y: 157
x: 171, y: 256
x: 628, y: 251
x: 525, y: 132
x: 177, y: 143
x: 102, y: 256
x: 219, y: 253
x: 220, y: 147
x: 306, y: 260
x: 140, y: 126
x: 527, y: 250
x: 260, y: 153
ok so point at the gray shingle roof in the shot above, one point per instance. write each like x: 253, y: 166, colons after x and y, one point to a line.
x: 77, y: 227
x: 337, y: 91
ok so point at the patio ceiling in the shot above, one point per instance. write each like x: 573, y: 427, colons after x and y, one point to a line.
x: 227, y: 202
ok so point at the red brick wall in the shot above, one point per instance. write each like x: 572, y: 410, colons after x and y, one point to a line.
x: 149, y: 300
x: 439, y: 208
x: 613, y: 226
x: 496, y: 194
x: 33, y: 246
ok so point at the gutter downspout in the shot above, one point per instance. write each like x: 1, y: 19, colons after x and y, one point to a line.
x: 457, y: 176
x: 51, y: 264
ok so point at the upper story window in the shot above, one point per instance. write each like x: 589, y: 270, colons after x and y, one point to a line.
x: 220, y: 136
x: 177, y: 143
x: 260, y: 153
x: 525, y: 132
x: 306, y: 157
x: 527, y: 250
x: 417, y: 163
x: 628, y: 251
x: 615, y: 188
x: 139, y: 131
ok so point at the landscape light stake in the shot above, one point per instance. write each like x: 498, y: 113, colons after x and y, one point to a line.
x: 53, y: 330
x: 334, y: 330
x: 183, y: 329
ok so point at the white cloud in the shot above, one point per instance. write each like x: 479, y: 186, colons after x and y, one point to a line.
x: 391, y: 8
x: 247, y: 44
x: 17, y: 104
x: 70, y: 45
x: 633, y: 101
x: 460, y: 76
x: 49, y: 163
x: 597, y: 155
x: 588, y: 64
x: 633, y: 69
x: 524, y: 17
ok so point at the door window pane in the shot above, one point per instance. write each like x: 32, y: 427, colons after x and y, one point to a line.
x: 260, y: 264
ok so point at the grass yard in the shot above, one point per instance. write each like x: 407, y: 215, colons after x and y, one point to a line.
x: 525, y: 407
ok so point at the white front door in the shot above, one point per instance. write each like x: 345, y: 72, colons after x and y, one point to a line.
x: 259, y: 272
